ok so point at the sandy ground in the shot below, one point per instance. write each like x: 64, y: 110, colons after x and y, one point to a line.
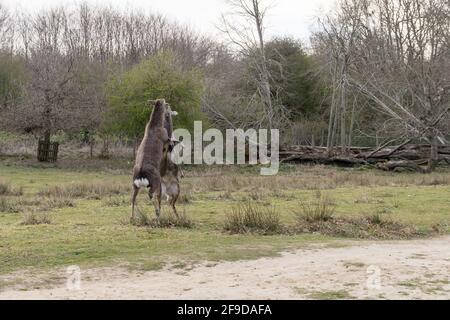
x: 384, y: 270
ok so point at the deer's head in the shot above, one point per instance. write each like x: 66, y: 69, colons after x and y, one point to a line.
x: 168, y: 120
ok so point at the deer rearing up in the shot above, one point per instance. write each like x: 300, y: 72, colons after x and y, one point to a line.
x: 170, y: 186
x: 149, y: 156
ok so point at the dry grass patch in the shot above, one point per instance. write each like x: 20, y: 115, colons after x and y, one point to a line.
x: 252, y: 217
x: 34, y: 218
x: 116, y: 202
x: 167, y: 220
x: 86, y: 190
x: 360, y: 228
x: 318, y: 216
x: 8, y: 205
x: 257, y: 194
x: 56, y: 203
x: 185, y: 198
x: 7, y: 190
x: 16, y: 205
x: 310, y: 178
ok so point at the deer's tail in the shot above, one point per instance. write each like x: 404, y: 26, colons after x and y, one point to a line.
x: 141, y: 183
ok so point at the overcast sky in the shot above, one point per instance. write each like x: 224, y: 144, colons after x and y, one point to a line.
x: 288, y: 17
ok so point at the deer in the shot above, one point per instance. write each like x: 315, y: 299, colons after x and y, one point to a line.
x: 147, y: 170
x: 170, y: 184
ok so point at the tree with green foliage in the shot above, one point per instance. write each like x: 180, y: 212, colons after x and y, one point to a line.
x: 160, y: 76
x: 294, y: 78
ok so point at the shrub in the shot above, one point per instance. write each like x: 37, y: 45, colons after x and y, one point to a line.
x: 322, y: 209
x: 376, y: 219
x: 253, y: 217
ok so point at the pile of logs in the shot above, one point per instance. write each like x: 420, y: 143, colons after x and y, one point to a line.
x: 412, y: 157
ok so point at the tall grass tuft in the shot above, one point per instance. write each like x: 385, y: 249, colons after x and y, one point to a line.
x: 168, y: 219
x: 322, y: 209
x: 253, y: 217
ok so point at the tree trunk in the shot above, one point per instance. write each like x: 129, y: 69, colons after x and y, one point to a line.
x: 352, y: 124
x: 265, y: 75
x: 105, y: 150
x: 333, y: 111
x: 343, y: 120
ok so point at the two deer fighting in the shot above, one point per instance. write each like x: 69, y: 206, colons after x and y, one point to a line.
x: 154, y: 168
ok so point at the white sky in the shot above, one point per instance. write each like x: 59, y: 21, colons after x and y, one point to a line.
x: 288, y: 17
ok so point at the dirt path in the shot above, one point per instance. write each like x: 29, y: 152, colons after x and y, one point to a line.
x: 403, y: 270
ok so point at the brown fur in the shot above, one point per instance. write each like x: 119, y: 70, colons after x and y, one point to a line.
x: 170, y: 183
x: 169, y: 171
x: 150, y: 156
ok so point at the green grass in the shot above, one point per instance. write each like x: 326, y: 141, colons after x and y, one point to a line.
x: 94, y: 232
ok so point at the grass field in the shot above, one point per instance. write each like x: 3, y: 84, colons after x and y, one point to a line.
x: 87, y: 209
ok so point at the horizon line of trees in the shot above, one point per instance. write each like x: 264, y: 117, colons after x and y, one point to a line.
x: 376, y: 73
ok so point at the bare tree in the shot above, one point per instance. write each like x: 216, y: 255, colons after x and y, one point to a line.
x: 245, y: 27
x: 398, y: 58
x: 336, y: 41
x: 6, y: 30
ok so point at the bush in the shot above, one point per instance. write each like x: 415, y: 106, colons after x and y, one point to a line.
x: 322, y: 209
x: 376, y: 219
x: 253, y: 217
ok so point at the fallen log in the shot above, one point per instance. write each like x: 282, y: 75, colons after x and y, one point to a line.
x: 397, y: 158
x: 323, y: 159
x: 400, y: 166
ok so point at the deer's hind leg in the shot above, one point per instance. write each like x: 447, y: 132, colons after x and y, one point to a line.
x: 175, y: 193
x: 155, y: 196
x: 133, y: 202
